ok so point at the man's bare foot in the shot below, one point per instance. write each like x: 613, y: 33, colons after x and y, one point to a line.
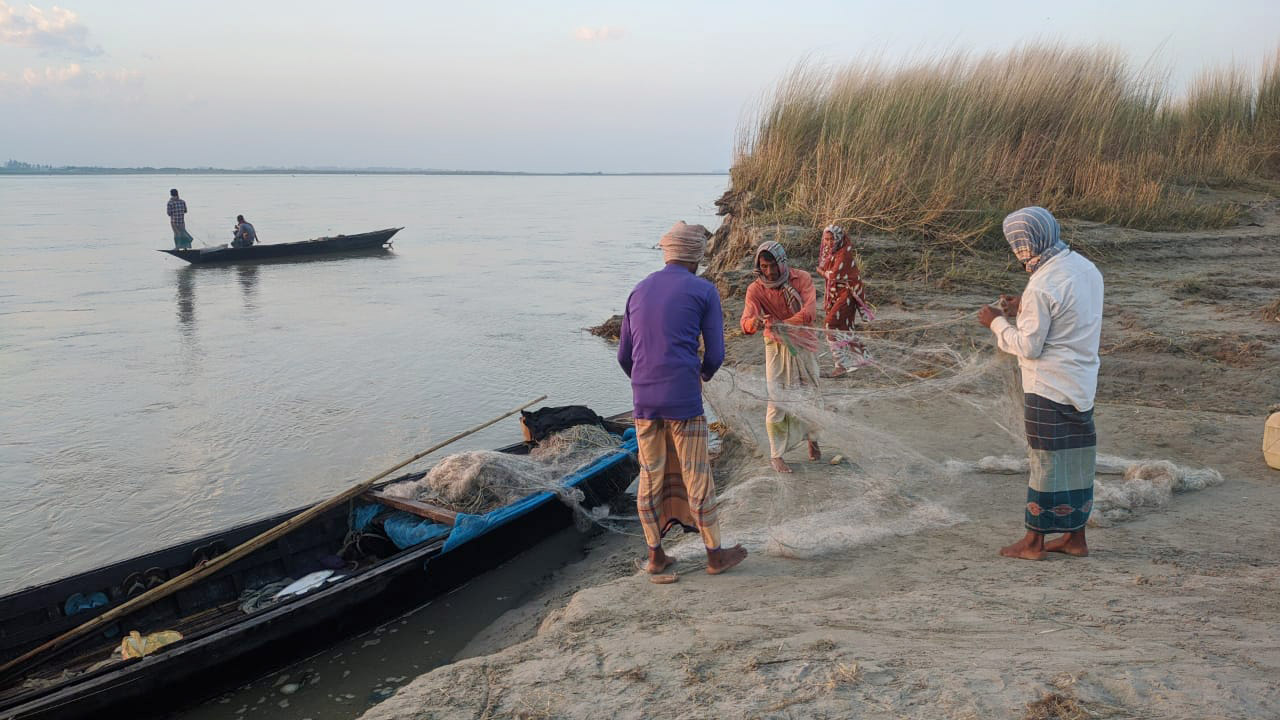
x: 658, y: 561
x: 779, y: 465
x: 1071, y: 543
x: 720, y: 560
x: 1030, y: 547
x: 815, y: 453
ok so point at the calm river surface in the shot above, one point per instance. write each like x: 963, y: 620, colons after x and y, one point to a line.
x: 144, y: 402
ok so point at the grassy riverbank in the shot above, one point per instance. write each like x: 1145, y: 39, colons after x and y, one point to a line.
x: 943, y: 148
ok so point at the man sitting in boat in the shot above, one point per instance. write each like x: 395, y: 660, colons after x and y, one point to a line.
x: 244, y: 234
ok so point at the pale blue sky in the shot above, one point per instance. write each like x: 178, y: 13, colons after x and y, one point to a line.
x: 554, y: 86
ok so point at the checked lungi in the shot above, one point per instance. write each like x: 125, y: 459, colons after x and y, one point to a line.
x: 1063, y: 451
x: 676, y: 486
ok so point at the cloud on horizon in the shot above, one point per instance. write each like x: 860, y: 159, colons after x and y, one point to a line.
x: 587, y: 34
x: 71, y: 82
x: 57, y: 29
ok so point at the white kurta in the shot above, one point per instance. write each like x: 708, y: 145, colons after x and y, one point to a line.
x: 1057, y: 332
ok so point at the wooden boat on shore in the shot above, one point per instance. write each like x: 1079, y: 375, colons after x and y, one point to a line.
x: 375, y: 240
x: 226, y: 638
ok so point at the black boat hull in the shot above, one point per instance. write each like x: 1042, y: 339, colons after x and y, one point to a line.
x: 363, y: 242
x: 204, y: 664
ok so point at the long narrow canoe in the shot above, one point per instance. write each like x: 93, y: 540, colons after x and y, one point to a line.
x: 223, y: 640
x: 317, y: 246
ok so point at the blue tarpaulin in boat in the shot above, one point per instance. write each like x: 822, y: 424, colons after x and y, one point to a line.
x: 362, y: 515
x: 402, y: 528
x: 406, y: 530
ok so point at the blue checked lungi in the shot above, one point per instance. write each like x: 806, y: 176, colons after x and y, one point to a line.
x: 1064, y: 453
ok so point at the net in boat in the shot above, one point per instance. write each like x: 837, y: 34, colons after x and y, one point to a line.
x: 478, y: 481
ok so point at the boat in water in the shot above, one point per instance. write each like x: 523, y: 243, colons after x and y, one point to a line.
x: 345, y: 571
x: 376, y: 240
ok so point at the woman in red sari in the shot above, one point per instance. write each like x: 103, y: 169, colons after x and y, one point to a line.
x: 843, y: 300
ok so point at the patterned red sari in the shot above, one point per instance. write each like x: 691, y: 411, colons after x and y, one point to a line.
x: 843, y: 300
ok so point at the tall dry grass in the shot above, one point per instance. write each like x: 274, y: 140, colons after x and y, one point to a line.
x: 946, y: 147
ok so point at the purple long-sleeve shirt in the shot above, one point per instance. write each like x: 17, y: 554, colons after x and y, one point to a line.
x: 658, y: 346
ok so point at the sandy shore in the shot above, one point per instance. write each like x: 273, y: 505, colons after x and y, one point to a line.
x: 1173, y: 615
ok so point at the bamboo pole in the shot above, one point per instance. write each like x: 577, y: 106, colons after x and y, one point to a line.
x: 206, y: 569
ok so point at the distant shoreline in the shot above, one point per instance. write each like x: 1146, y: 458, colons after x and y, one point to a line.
x: 10, y: 171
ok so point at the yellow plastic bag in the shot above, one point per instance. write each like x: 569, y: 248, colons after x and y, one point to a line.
x: 138, y: 646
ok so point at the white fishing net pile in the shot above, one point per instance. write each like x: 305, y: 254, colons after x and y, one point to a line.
x: 1146, y: 485
x: 1020, y: 465
x: 481, y: 480
x: 1142, y: 484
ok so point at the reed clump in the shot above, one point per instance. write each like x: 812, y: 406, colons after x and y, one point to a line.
x: 944, y: 148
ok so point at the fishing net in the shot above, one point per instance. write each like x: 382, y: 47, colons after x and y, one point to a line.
x: 481, y: 480
x: 1146, y: 485
x: 883, y: 483
x: 891, y: 425
x: 1142, y: 484
x: 917, y: 398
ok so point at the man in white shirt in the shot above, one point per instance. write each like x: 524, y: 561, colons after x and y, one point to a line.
x: 1055, y: 338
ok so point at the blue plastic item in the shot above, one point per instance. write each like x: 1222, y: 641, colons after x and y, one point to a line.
x: 407, y: 530
x: 404, y: 529
x: 364, y: 514
x: 78, y: 603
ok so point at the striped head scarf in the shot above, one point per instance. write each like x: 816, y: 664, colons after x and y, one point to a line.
x: 684, y: 243
x: 825, y: 249
x: 779, y: 253
x: 1032, y: 232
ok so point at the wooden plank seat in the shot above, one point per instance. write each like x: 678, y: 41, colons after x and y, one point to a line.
x: 416, y: 507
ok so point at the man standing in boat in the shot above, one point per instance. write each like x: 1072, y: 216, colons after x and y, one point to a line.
x: 177, y: 210
x: 245, y: 235
x: 665, y: 316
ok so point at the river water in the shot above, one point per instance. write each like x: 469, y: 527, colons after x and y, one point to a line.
x: 144, y: 402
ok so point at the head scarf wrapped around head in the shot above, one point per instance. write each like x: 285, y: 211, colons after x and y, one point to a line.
x: 825, y: 249
x: 684, y: 243
x: 1033, y: 232
x: 779, y: 254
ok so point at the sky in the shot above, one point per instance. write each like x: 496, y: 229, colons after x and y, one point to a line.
x: 601, y: 86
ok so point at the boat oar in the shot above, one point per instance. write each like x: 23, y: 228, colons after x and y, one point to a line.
x: 206, y: 569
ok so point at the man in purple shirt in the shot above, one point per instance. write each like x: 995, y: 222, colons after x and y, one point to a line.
x: 666, y: 315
